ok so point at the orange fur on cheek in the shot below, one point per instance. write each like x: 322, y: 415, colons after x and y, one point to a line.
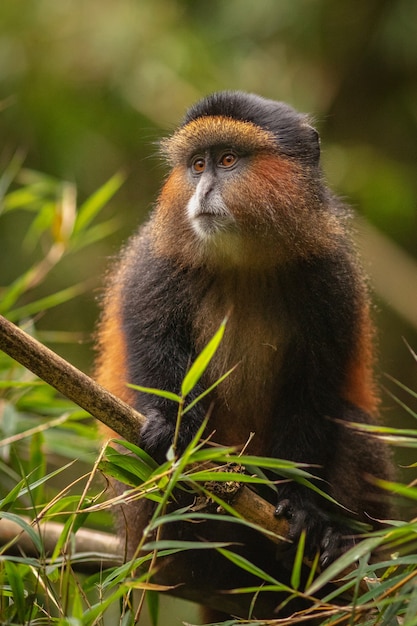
x: 170, y: 225
x: 263, y: 195
x: 280, y: 201
x: 174, y: 195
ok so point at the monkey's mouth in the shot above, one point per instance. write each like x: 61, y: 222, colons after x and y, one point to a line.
x: 208, y: 223
x: 210, y: 216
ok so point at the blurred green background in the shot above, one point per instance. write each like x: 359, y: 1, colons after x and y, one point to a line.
x: 88, y: 86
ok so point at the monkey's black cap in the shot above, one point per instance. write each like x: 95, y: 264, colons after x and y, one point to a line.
x: 292, y: 130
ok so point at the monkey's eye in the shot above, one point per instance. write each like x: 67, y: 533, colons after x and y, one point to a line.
x: 198, y: 165
x: 228, y: 159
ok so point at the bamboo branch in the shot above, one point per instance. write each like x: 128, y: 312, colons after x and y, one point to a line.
x: 71, y: 382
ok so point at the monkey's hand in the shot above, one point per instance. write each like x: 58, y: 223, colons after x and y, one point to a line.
x: 330, y: 538
x: 158, y: 434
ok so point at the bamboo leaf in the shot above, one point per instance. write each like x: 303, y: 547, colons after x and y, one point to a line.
x: 152, y: 599
x: 173, y: 544
x: 201, y: 363
x: 209, y: 390
x: 398, y: 488
x: 168, y: 395
x: 133, y: 465
x: 342, y: 563
x: 91, y: 207
x: 246, y: 565
x: 46, y: 303
x: 16, y: 583
x: 144, y: 456
x: 208, y: 475
x: 298, y: 562
x: 26, y: 527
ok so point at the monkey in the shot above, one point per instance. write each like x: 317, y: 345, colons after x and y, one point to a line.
x: 246, y: 227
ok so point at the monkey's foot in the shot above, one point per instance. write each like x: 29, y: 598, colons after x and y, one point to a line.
x: 323, y: 534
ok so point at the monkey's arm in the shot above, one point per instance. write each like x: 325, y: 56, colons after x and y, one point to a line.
x: 154, y: 312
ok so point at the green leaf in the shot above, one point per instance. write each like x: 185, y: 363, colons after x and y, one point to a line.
x: 77, y: 605
x: 9, y: 174
x: 345, y: 561
x: 14, y: 291
x: 313, y: 569
x: 246, y: 565
x: 209, y: 390
x: 15, y: 580
x: 168, y: 395
x: 37, y: 464
x: 215, y: 454
x: 62, y: 539
x: 12, y: 496
x: 95, y: 612
x: 48, y: 302
x: 152, y: 600
x: 173, y: 544
x: 119, y: 473
x: 28, y: 198
x: 133, y: 465
x: 201, y: 363
x: 91, y: 207
x: 43, y: 480
x: 26, y: 527
x: 211, y: 475
x: 64, y: 504
x: 128, y: 618
x: 398, y: 489
x: 411, y: 614
x: 281, y: 466
x: 182, y: 515
x: 412, y: 393
x: 28, y: 384
x: 94, y: 233
x: 298, y: 562
x: 144, y: 456
x: 80, y: 519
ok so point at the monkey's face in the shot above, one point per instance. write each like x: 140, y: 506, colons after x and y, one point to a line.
x: 211, y: 172
x: 235, y: 197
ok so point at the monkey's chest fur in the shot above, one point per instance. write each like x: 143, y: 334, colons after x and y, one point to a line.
x: 256, y: 338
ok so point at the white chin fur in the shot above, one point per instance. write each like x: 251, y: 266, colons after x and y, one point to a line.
x: 210, y: 217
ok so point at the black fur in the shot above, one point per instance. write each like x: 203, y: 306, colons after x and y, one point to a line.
x: 158, y: 299
x: 295, y: 137
x: 155, y: 315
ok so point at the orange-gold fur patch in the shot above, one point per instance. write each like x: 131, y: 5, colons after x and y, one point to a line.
x: 111, y: 365
x: 203, y: 132
x: 360, y: 387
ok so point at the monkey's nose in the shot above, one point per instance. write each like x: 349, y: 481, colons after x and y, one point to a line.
x: 205, y: 187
